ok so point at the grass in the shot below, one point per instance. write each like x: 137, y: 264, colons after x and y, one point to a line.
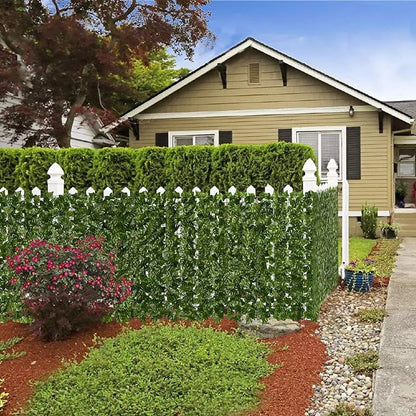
x: 359, y: 247
x: 158, y: 370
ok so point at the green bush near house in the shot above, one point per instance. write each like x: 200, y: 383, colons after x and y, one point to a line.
x: 9, y: 158
x: 77, y: 165
x: 369, y: 220
x: 277, y: 164
x: 158, y: 370
x: 32, y: 168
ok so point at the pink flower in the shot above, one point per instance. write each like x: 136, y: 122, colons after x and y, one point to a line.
x: 13, y: 281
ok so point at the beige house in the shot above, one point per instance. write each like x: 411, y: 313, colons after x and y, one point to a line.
x: 254, y: 94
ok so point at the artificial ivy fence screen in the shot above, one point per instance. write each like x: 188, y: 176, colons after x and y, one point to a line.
x: 194, y: 256
x: 224, y: 166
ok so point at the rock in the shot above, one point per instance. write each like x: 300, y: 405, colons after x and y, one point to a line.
x: 270, y: 329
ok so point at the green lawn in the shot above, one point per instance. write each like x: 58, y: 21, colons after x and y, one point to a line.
x: 360, y: 247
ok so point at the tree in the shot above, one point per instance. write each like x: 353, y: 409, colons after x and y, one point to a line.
x: 61, y: 56
x: 146, y: 79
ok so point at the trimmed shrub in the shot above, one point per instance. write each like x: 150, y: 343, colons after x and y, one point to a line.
x: 150, y: 168
x: 277, y: 164
x: 9, y: 158
x: 158, y: 370
x: 369, y: 220
x: 188, y: 167
x: 66, y: 288
x: 114, y: 168
x: 32, y: 168
x: 77, y: 165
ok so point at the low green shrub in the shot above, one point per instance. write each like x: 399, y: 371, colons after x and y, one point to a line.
x: 5, y: 345
x: 372, y: 315
x: 369, y: 220
x: 344, y: 409
x: 65, y: 288
x: 9, y: 158
x: 158, y: 370
x: 364, y: 363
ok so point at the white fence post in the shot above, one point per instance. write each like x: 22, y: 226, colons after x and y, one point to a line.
x: 55, y: 182
x: 309, y: 178
x: 332, y: 174
x: 345, y: 251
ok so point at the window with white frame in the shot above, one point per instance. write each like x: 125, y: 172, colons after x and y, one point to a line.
x: 406, y: 162
x: 327, y: 145
x: 189, y: 138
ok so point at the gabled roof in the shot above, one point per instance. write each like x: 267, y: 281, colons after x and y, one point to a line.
x: 261, y: 47
x: 407, y: 106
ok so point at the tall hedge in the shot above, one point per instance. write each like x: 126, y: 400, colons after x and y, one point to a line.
x: 150, y: 168
x: 277, y: 164
x: 77, y: 165
x: 32, y: 168
x: 9, y: 158
x: 114, y: 168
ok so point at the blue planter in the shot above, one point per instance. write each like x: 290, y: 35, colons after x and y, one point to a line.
x: 358, y: 281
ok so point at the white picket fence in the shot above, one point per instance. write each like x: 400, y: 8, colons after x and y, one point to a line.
x: 56, y: 184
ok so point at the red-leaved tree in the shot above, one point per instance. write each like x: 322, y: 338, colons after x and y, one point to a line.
x: 60, y: 56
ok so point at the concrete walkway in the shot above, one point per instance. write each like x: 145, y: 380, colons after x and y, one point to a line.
x: 395, y: 381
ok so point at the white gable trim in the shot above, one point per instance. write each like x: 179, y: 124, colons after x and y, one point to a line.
x: 274, y: 54
x: 254, y: 112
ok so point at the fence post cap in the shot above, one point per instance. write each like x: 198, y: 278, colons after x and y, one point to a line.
x: 332, y: 165
x: 232, y: 190
x: 288, y: 189
x: 269, y: 189
x: 309, y: 166
x: 55, y: 169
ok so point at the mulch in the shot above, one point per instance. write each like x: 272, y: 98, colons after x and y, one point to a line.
x: 287, y: 391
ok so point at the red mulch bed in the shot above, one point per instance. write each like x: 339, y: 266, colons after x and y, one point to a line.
x: 287, y: 393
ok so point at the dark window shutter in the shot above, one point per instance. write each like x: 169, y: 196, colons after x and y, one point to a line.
x: 285, y: 135
x: 353, y: 153
x: 161, y: 139
x: 225, y: 137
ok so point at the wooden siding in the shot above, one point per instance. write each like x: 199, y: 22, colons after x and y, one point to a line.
x: 207, y: 93
x: 375, y: 185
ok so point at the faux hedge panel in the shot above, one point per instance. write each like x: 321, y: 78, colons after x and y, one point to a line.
x: 224, y: 166
x: 196, y: 256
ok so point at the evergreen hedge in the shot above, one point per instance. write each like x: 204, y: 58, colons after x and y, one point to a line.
x: 196, y: 256
x: 224, y: 166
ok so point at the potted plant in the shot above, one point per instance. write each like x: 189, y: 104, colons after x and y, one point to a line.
x: 389, y: 230
x: 400, y: 193
x: 359, y: 275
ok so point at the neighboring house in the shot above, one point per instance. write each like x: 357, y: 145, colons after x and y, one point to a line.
x: 85, y: 132
x: 253, y: 94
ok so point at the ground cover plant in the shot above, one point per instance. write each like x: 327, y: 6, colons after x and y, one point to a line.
x: 344, y: 409
x: 5, y: 345
x: 364, y: 363
x: 158, y: 370
x: 385, y: 254
x: 372, y: 315
x: 3, y: 397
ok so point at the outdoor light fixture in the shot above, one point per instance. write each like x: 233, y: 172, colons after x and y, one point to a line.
x: 351, y: 111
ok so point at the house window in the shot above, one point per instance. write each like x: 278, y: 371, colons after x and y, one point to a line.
x: 190, y: 138
x: 406, y: 162
x: 327, y: 144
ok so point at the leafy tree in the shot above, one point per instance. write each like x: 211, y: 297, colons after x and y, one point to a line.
x: 61, y: 56
x: 148, y: 78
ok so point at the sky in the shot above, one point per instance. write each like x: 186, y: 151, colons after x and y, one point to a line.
x: 370, y: 45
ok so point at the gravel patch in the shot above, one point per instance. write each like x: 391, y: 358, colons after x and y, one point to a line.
x: 344, y: 335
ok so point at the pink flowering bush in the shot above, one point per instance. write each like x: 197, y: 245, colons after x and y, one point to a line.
x: 67, y: 288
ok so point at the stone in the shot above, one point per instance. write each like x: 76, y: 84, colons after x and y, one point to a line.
x: 270, y: 329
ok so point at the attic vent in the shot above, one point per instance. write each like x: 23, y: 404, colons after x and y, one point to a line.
x: 254, y: 73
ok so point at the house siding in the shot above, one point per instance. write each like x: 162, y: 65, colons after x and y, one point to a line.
x: 207, y: 93
x: 302, y: 91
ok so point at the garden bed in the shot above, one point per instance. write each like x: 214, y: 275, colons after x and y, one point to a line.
x: 287, y: 391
